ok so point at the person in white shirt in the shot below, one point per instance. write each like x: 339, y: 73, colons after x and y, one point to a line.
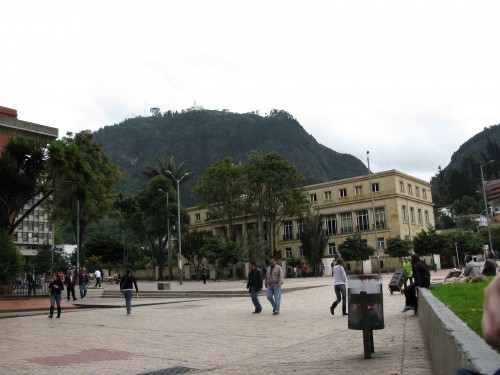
x: 97, y: 278
x: 339, y: 283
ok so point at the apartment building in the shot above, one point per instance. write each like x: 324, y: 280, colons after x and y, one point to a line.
x: 402, y: 206
x: 36, y: 230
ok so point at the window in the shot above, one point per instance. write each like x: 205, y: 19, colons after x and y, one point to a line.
x: 25, y: 236
x: 375, y: 187
x: 328, y: 195
x: 288, y: 253
x: 380, y: 243
x: 312, y: 197
x: 410, y: 189
x: 419, y: 214
x: 401, y: 186
x: 332, y: 249
x: 405, y: 213
x: 346, y: 222
x: 300, y: 228
x: 427, y: 220
x: 35, y: 237
x: 412, y: 215
x: 343, y: 193
x: 417, y: 191
x: 31, y: 225
x: 301, y: 252
x: 197, y: 217
x: 358, y: 190
x: 331, y: 225
x: 380, y: 218
x: 207, y: 216
x: 288, y: 230
x: 362, y: 220
x: 424, y: 193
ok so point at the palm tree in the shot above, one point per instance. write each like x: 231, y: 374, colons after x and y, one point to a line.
x: 166, y: 165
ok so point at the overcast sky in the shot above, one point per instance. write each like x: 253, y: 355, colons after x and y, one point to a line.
x: 408, y: 81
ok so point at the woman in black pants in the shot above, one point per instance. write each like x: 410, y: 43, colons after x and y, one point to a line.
x: 421, y: 279
x: 56, y: 287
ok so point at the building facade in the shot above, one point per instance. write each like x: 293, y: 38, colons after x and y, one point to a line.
x: 36, y: 230
x: 402, y: 206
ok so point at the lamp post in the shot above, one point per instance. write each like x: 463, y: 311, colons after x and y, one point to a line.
x: 373, y: 213
x: 486, y: 203
x: 179, y: 219
x: 168, y: 239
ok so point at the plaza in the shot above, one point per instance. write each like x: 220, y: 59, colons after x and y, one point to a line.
x: 214, y: 335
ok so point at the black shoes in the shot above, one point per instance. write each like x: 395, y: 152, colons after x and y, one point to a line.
x: 332, y: 307
x: 257, y: 311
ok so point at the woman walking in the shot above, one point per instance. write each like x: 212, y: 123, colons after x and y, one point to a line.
x: 127, y: 284
x: 340, y: 280
x: 56, y: 287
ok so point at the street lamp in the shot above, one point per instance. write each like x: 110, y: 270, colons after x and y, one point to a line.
x: 373, y: 213
x: 168, y: 236
x: 486, y: 204
x: 179, y: 219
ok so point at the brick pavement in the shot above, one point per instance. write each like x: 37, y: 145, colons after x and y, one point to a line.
x: 216, y: 336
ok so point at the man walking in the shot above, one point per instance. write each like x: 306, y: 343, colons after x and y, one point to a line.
x: 274, y: 280
x: 31, y: 280
x: 254, y: 285
x: 70, y: 283
x: 83, y: 280
x: 204, y: 273
x: 97, y: 278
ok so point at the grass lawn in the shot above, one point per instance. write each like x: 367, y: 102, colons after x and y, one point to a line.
x: 465, y: 300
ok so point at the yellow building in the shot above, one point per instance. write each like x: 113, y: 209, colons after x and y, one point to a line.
x: 402, y: 205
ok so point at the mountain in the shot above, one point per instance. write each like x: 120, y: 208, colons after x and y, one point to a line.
x: 201, y: 137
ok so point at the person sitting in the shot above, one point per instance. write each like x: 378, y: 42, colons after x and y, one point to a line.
x: 490, y: 266
x: 421, y: 279
x: 471, y: 267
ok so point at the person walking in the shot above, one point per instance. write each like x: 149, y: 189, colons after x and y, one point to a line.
x: 304, y: 269
x: 274, y: 281
x: 31, y: 280
x: 254, y: 285
x: 204, y: 273
x: 83, y: 280
x: 339, y: 283
x: 126, y: 286
x: 70, y: 282
x: 55, y: 288
x: 97, y: 278
x: 421, y: 279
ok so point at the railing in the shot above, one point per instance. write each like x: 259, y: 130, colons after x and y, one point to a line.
x: 23, y: 290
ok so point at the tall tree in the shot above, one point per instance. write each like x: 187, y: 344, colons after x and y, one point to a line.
x: 165, y: 165
x: 314, y: 239
x: 354, y: 248
x: 397, y: 247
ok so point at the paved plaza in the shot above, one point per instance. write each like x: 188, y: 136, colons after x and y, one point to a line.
x: 211, y: 335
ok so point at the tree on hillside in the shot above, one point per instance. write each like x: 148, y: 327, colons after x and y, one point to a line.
x: 86, y: 187
x: 219, y: 190
x: 397, y: 247
x: 276, y: 190
x: 313, y: 239
x: 354, y: 248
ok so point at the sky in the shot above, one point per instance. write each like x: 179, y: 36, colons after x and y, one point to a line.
x: 407, y: 81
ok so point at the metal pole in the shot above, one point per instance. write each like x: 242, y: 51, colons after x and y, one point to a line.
x: 373, y: 212
x: 179, y: 224
x: 169, y: 247
x: 486, y: 204
x: 78, y: 236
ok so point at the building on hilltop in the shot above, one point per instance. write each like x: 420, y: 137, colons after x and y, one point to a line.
x: 36, y: 230
x: 402, y: 204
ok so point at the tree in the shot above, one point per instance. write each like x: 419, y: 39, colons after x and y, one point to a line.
x: 42, y: 261
x: 192, y: 247
x: 275, y: 189
x: 354, y: 248
x: 11, y: 260
x: 166, y: 165
x: 220, y: 253
x: 106, y: 248
x: 86, y: 185
x: 397, y: 247
x: 219, y: 190
x: 314, y: 239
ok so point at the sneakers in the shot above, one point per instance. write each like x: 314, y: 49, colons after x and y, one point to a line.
x: 407, y: 308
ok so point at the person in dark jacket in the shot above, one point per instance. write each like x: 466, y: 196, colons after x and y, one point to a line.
x: 70, y: 282
x: 421, y: 279
x: 254, y: 285
x: 56, y: 287
x: 127, y: 284
x: 490, y: 266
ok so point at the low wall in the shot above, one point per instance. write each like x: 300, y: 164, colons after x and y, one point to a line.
x: 450, y: 342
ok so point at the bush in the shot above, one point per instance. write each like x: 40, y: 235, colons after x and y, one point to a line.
x: 11, y: 260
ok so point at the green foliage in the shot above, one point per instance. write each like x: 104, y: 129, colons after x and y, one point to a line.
x: 354, y: 248
x: 106, y: 248
x: 429, y: 242
x: 11, y: 260
x: 193, y: 247
x: 42, y: 261
x: 201, y: 138
x: 220, y: 253
x: 397, y: 247
x: 465, y: 300
x: 314, y: 239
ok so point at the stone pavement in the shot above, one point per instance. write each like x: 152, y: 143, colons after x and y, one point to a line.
x: 213, y: 336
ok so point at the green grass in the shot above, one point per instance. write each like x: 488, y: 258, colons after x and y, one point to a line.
x: 465, y: 300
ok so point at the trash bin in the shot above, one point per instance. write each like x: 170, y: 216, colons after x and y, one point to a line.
x: 366, y: 307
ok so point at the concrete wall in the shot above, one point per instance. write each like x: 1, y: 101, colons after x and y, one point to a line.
x: 451, y: 343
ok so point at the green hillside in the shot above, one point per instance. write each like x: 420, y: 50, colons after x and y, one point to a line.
x: 200, y: 138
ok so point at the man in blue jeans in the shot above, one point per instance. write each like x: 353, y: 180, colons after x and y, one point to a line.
x: 274, y: 280
x: 254, y: 285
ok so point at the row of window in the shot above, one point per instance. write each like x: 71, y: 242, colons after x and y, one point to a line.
x: 404, y: 211
x: 409, y: 187
x: 331, y: 249
x: 340, y: 224
x: 358, y: 190
x: 32, y: 237
x: 37, y: 214
x: 29, y: 225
